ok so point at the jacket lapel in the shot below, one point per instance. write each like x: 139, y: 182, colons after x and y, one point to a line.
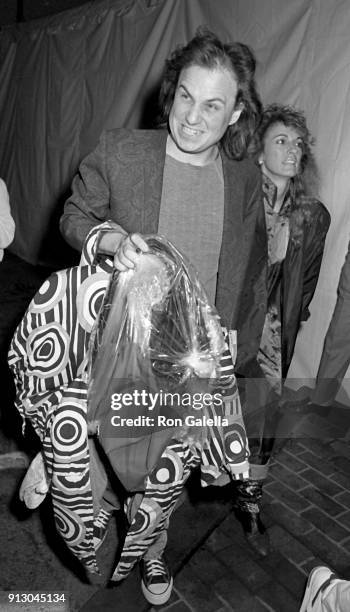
x: 154, y: 160
x: 230, y: 265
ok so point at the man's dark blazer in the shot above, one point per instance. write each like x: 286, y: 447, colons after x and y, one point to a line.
x: 121, y: 180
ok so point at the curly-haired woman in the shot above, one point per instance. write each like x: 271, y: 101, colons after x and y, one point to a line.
x: 297, y: 224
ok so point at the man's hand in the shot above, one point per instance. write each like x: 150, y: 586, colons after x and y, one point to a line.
x: 128, y: 252
x: 125, y: 248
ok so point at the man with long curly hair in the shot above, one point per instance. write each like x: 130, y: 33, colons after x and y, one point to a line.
x: 189, y: 181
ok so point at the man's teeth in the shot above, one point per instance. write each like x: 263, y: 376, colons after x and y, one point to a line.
x: 190, y: 131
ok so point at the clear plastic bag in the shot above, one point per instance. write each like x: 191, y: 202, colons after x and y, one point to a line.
x: 156, y: 344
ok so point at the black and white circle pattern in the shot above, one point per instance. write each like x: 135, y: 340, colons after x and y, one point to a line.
x: 71, y: 481
x: 89, y: 299
x: 236, y: 444
x: 147, y: 517
x: 50, y: 293
x: 47, y: 348
x: 169, y: 469
x: 69, y: 433
x: 69, y: 524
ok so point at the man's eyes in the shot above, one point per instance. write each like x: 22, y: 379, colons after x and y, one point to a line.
x: 212, y: 107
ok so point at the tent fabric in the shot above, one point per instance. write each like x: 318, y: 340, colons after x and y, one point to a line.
x: 66, y: 77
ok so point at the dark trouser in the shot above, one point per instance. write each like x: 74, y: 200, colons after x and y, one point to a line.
x: 261, y: 413
x: 335, y: 358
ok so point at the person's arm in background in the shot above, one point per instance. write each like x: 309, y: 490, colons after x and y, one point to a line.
x: 7, y: 224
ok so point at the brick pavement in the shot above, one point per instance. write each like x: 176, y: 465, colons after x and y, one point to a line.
x: 306, y: 508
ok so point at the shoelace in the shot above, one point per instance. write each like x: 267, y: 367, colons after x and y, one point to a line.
x: 102, y: 518
x: 155, y: 567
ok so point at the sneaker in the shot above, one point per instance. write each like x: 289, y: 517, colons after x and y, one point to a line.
x: 100, y: 527
x: 156, y: 581
x: 319, y: 579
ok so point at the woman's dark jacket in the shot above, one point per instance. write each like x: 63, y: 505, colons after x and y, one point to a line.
x: 308, y: 223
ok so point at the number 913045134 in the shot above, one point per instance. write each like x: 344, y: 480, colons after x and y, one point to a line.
x: 34, y: 601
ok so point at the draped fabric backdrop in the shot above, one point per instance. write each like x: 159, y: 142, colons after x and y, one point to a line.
x: 66, y: 78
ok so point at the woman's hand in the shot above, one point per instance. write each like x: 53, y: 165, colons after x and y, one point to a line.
x: 128, y: 251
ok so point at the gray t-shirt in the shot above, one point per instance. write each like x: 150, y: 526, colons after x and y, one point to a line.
x: 192, y: 214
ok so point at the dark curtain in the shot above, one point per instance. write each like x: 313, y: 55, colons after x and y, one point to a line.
x: 66, y: 78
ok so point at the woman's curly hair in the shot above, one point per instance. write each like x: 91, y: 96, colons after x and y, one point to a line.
x: 307, y: 179
x: 206, y: 50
